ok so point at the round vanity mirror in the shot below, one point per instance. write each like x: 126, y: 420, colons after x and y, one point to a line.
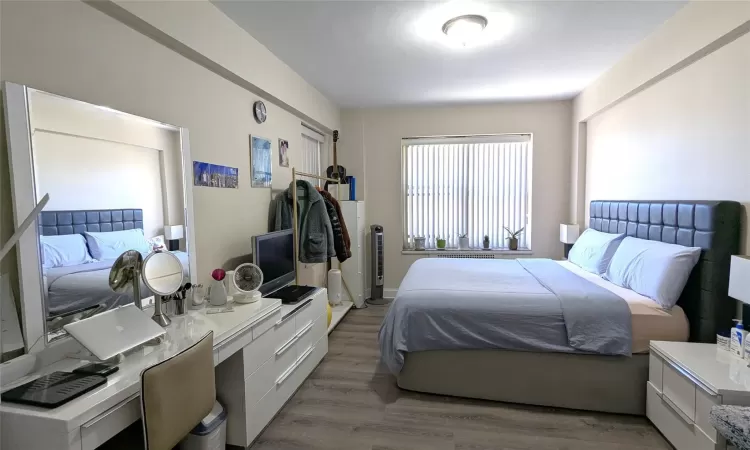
x: 162, y: 273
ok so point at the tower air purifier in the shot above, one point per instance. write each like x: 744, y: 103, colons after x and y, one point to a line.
x: 377, y: 257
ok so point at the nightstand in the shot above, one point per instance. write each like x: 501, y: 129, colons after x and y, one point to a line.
x: 685, y: 380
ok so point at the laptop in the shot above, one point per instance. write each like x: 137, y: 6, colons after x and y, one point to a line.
x: 115, y: 331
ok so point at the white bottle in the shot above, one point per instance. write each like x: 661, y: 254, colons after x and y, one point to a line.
x: 736, y: 346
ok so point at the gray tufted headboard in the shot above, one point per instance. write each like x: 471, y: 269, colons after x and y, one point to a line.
x: 71, y: 222
x: 713, y: 226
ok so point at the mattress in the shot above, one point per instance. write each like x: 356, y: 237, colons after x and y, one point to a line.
x: 650, y: 321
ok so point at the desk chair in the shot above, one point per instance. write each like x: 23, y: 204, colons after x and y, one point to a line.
x: 176, y: 394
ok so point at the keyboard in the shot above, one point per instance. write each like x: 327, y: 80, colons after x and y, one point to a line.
x: 53, y: 390
x: 292, y: 294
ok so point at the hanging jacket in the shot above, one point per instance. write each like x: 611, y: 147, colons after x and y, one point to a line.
x: 315, y: 231
x: 347, y: 242
x: 338, y: 236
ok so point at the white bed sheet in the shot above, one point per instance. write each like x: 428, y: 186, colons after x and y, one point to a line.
x: 650, y: 321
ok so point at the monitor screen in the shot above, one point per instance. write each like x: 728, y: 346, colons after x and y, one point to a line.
x: 274, y: 254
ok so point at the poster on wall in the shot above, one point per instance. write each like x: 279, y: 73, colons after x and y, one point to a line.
x: 260, y: 160
x: 214, y: 175
x: 283, y: 155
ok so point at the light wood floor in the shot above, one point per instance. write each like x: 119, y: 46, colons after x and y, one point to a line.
x: 351, y: 402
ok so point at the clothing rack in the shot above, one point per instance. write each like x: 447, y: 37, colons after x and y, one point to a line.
x: 295, y: 225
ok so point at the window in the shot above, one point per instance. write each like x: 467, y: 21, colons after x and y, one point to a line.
x: 310, y: 157
x: 476, y: 185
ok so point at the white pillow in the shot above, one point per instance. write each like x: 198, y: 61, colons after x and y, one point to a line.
x: 655, y: 269
x: 110, y: 245
x: 64, y: 250
x: 594, y: 249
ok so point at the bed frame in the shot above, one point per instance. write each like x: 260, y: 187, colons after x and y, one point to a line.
x: 593, y: 382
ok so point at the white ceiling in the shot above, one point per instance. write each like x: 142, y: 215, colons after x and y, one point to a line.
x: 383, y: 53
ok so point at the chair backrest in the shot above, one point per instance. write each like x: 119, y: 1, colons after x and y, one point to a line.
x: 176, y: 394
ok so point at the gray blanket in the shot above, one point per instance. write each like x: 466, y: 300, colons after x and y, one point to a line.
x: 527, y: 305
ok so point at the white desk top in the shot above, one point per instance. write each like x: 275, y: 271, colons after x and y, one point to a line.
x: 718, y: 370
x: 125, y: 383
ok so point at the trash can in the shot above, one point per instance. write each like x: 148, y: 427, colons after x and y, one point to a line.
x: 210, y: 434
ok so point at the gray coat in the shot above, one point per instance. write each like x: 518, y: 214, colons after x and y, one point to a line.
x: 315, y: 231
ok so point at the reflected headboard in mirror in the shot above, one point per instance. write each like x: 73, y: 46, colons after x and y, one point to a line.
x: 52, y: 223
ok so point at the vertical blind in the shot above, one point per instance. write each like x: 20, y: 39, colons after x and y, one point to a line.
x: 310, y: 158
x: 474, y: 186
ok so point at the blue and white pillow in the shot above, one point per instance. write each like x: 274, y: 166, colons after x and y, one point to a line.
x: 594, y: 249
x: 655, y: 269
x: 112, y: 244
x: 64, y: 250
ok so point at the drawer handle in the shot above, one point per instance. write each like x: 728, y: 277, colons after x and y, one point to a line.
x: 685, y: 418
x: 294, y: 367
x: 294, y: 339
x: 265, y: 316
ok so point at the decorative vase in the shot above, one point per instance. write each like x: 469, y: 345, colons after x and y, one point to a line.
x: 463, y: 243
x: 486, y: 243
x: 419, y: 243
x: 218, y: 294
x: 441, y: 244
x: 513, y: 243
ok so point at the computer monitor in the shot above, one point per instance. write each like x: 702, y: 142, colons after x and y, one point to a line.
x: 274, y: 254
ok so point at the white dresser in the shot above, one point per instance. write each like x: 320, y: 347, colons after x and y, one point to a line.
x: 263, y: 352
x: 353, y: 269
x: 253, y: 384
x: 685, y: 381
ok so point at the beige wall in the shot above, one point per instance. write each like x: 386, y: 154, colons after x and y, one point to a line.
x: 72, y: 49
x: 687, y: 137
x: 696, y: 31
x: 371, y: 151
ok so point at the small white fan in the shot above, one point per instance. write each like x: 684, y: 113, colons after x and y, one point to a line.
x: 247, y: 279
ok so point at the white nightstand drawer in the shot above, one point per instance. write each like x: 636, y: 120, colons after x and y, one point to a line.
x: 681, y: 433
x: 703, y: 403
x: 678, y: 391
x: 655, y: 368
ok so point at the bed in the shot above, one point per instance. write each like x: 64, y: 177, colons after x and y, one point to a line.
x: 608, y: 369
x: 74, y: 288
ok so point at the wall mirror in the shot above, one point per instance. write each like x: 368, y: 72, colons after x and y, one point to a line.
x: 115, y: 182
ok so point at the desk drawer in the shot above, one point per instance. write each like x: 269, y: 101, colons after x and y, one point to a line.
x: 681, y: 433
x: 102, y: 428
x: 260, y: 414
x: 311, y: 334
x: 308, y: 313
x: 679, y: 391
x: 266, y: 344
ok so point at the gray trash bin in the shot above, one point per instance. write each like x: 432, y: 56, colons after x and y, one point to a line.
x: 210, y: 434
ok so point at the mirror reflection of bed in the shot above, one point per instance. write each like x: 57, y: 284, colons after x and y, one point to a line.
x: 115, y: 182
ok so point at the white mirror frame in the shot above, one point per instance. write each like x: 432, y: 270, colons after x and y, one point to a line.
x: 23, y: 192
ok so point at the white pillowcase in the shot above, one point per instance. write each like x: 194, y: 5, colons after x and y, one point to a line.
x: 594, y: 249
x: 655, y: 269
x: 110, y: 245
x: 64, y: 250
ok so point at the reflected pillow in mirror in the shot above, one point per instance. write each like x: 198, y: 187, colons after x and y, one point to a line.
x: 594, y: 249
x: 64, y: 250
x: 157, y: 244
x: 110, y: 245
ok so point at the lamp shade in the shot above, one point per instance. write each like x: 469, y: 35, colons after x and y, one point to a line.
x: 569, y: 233
x: 174, y: 232
x: 739, y: 278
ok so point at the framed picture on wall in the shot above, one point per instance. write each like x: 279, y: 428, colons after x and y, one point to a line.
x: 283, y: 155
x: 260, y: 161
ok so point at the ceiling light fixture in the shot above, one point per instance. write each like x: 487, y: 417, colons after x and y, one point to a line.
x: 465, y: 29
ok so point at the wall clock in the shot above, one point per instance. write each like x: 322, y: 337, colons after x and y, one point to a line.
x: 259, y: 111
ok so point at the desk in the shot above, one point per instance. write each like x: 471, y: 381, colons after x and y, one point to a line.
x: 90, y: 420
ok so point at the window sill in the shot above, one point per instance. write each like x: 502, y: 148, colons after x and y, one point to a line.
x: 455, y: 251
